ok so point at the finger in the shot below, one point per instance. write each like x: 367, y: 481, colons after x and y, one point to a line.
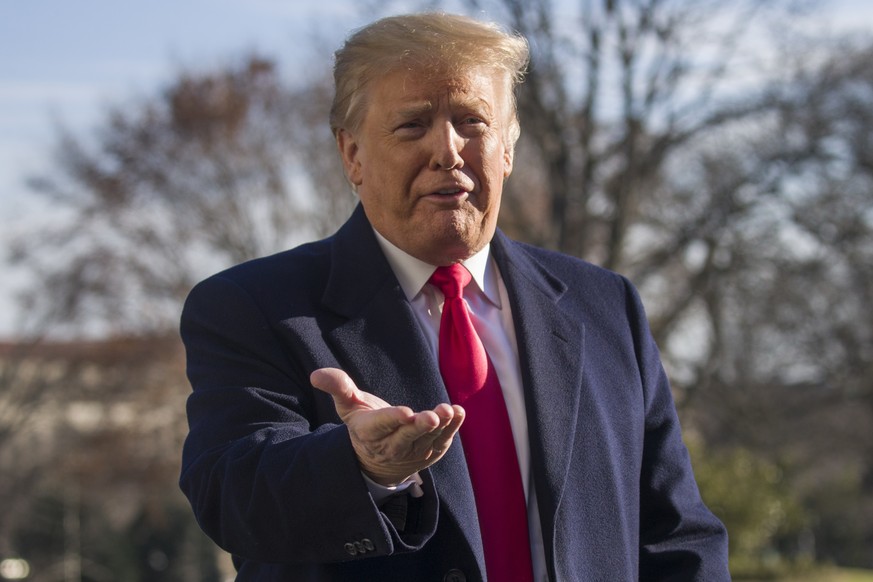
x: 429, y: 428
x: 427, y: 421
x: 346, y: 395
x: 336, y: 383
x: 443, y: 440
x: 419, y: 426
x: 445, y: 412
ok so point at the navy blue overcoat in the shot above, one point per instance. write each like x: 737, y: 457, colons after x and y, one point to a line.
x: 272, y: 478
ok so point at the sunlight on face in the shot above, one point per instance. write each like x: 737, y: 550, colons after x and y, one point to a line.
x: 429, y: 161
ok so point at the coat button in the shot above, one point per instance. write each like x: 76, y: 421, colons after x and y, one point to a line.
x: 359, y: 547
x: 454, y: 575
x: 364, y: 546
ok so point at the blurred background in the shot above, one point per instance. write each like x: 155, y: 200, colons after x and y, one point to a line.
x: 720, y: 154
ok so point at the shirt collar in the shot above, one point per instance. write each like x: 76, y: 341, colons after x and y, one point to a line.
x: 413, y: 274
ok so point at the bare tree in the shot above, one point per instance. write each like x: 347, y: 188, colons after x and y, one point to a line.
x: 96, y: 425
x: 216, y: 169
x: 632, y: 152
x: 791, y: 366
x: 738, y: 203
x: 737, y: 196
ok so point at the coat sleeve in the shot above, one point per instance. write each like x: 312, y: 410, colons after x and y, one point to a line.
x: 267, y: 467
x: 680, y: 539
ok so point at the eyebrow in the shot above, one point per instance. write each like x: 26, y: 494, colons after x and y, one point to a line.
x: 415, y: 110
x: 474, y: 102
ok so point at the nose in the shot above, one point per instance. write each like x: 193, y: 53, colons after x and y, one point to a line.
x: 447, y: 145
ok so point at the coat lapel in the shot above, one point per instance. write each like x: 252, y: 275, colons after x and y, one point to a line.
x: 379, y: 343
x: 550, y: 343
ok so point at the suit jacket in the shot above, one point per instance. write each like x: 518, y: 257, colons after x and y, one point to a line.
x: 272, y: 477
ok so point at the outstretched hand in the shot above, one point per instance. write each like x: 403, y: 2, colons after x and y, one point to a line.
x: 391, y: 442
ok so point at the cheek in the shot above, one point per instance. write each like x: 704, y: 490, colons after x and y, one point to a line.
x: 369, y: 199
x: 396, y: 167
x: 496, y: 160
x: 494, y: 166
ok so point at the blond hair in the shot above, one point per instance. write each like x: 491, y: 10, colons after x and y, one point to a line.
x: 429, y: 43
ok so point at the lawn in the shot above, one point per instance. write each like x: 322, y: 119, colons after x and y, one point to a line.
x: 837, y: 575
x: 847, y: 575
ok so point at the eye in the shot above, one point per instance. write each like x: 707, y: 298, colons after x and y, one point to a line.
x: 410, y: 129
x: 473, y: 120
x: 472, y: 125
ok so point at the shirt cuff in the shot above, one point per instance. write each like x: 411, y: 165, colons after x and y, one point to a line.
x: 380, y: 493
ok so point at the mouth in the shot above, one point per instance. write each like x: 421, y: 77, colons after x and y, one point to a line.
x: 448, y: 198
x: 450, y: 192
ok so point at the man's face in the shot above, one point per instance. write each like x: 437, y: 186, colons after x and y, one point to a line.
x: 429, y: 160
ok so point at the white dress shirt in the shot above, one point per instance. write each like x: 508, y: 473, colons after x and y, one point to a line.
x: 488, y: 303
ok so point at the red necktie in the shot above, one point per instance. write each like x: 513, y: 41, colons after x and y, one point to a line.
x: 472, y: 382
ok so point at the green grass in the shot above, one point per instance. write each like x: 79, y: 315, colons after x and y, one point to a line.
x: 824, y: 574
x: 836, y: 575
x: 847, y: 575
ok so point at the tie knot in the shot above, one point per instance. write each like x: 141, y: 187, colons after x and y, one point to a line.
x: 451, y: 280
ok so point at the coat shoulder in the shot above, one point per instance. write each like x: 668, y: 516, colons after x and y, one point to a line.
x: 568, y: 273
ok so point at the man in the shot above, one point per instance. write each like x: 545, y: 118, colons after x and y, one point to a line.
x: 363, y: 412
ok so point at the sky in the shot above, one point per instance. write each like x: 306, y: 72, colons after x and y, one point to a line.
x: 65, y: 62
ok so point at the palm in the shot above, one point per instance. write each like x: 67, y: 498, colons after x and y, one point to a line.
x: 391, y: 442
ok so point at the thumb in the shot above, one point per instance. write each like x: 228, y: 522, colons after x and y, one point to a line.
x: 349, y: 399
x: 336, y: 383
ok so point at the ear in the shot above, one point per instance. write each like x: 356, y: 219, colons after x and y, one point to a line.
x: 508, y: 156
x: 349, y: 151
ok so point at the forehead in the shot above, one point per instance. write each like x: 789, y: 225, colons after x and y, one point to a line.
x: 411, y: 88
